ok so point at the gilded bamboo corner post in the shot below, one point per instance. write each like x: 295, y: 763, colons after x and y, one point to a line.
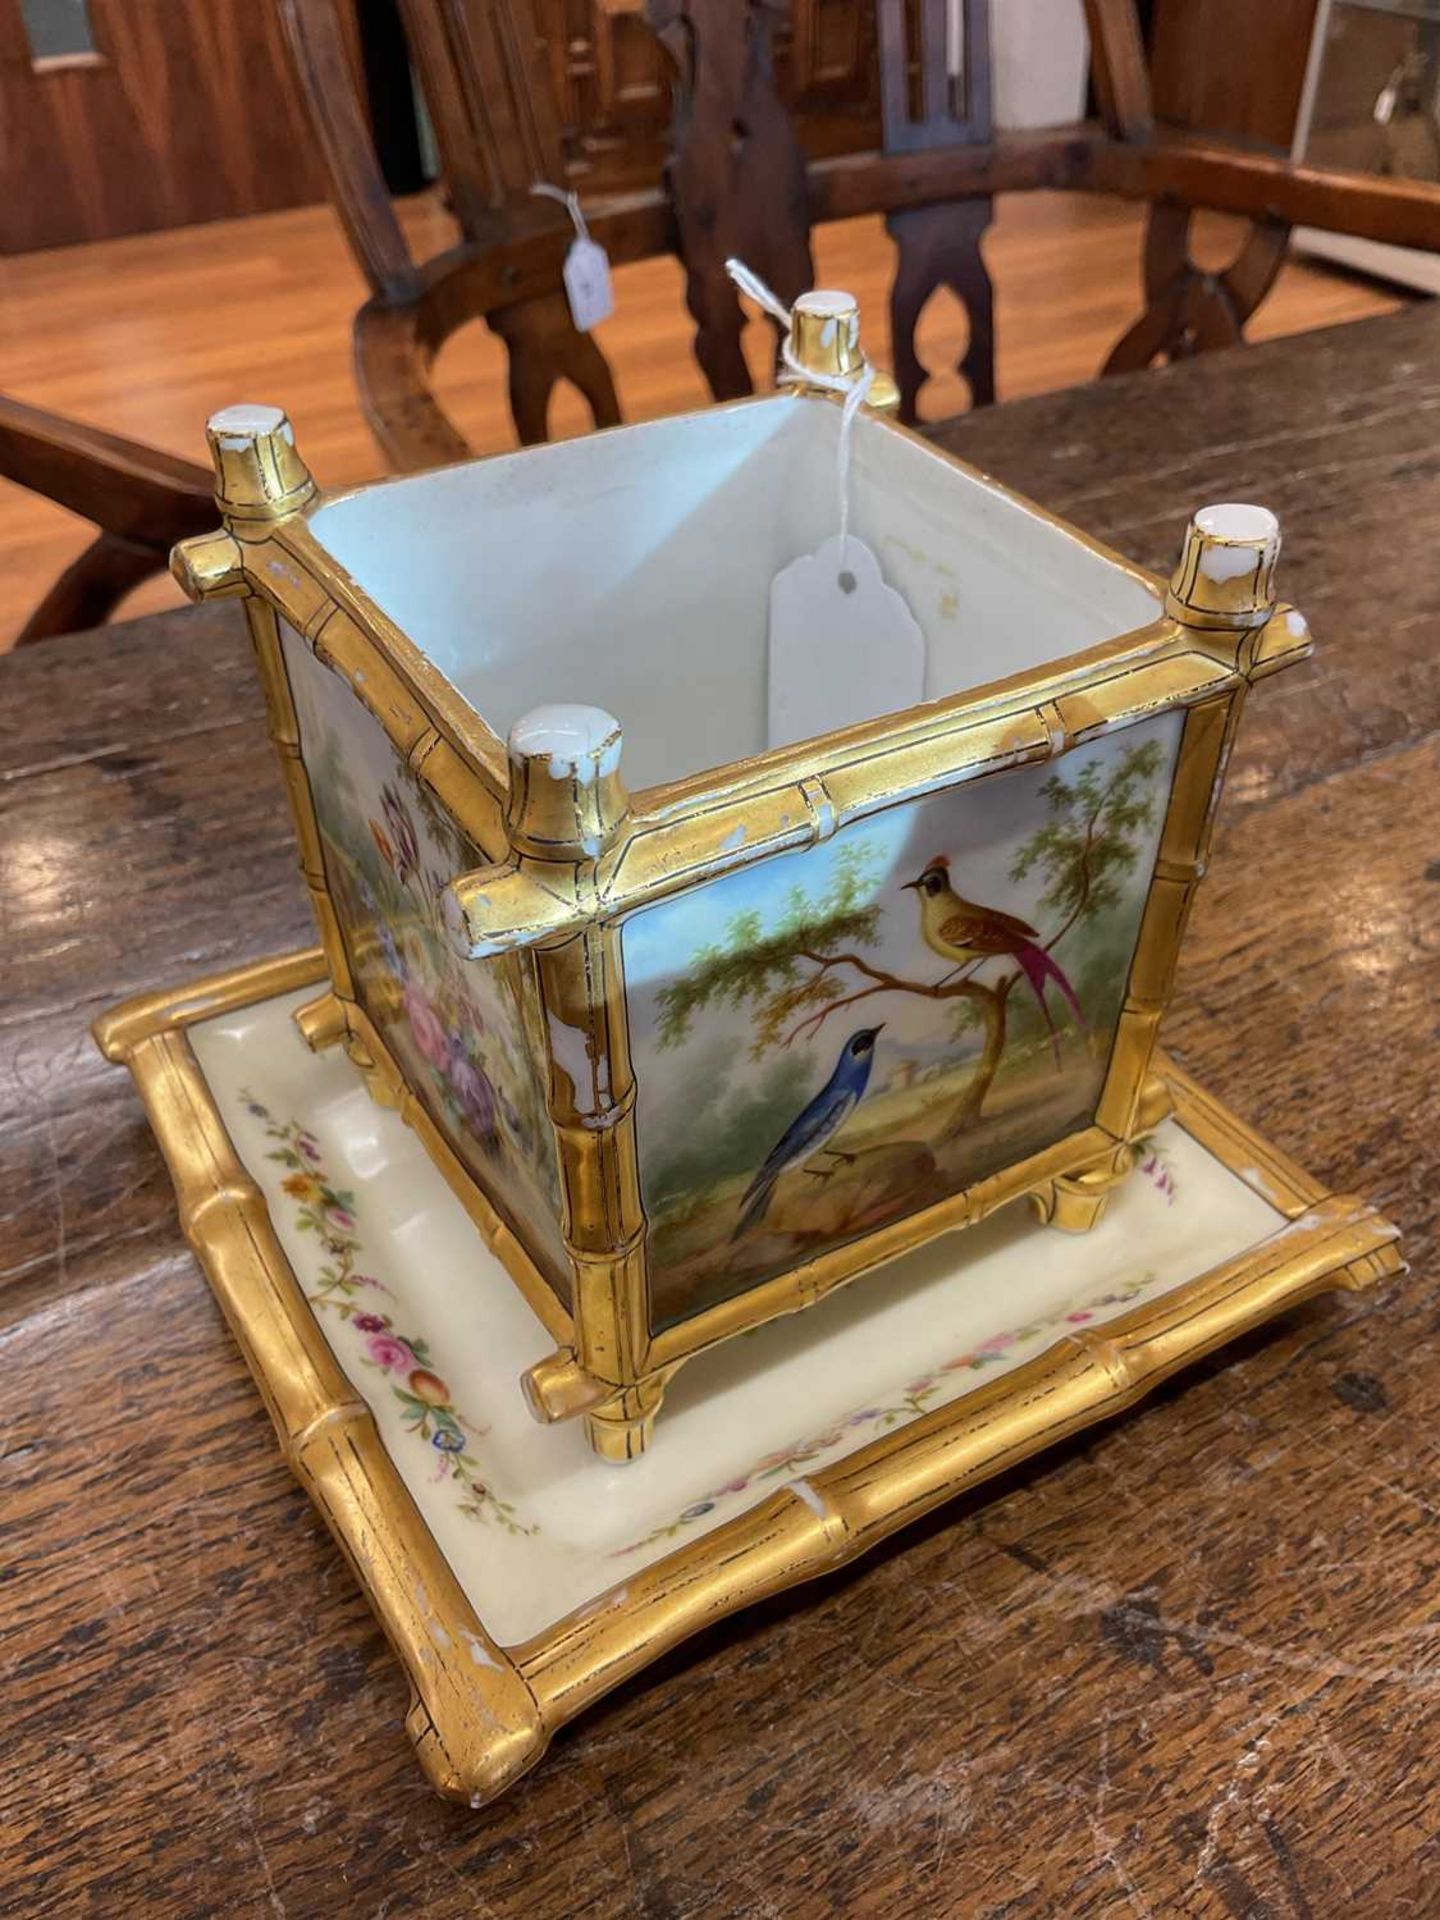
x: 1222, y: 595
x: 261, y: 480
x: 1076, y: 1202
x: 1225, y: 579
x: 567, y: 807
x: 1223, y: 591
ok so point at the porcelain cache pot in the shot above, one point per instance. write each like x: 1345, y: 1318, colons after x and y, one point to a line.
x: 699, y: 1024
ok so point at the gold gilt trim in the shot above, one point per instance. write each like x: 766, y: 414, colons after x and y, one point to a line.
x: 473, y: 1732
x: 561, y: 883
x: 482, y: 1715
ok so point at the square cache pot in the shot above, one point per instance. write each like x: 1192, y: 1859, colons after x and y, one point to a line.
x: 698, y: 1026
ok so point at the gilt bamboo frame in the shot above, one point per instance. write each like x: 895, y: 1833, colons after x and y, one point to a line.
x: 562, y: 901
x: 482, y: 1714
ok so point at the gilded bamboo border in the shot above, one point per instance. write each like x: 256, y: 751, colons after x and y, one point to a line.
x: 564, y: 911
x: 472, y: 1731
x: 482, y: 1715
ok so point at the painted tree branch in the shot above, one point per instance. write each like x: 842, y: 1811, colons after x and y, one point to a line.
x: 992, y: 1001
x: 1078, y: 876
x: 1087, y: 879
x: 810, y: 962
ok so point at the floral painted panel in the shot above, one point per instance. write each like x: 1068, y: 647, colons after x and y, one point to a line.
x: 372, y: 1343
x: 833, y: 1039
x: 460, y: 1030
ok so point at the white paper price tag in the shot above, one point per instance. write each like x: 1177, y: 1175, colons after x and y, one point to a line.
x: 844, y: 647
x: 587, y: 284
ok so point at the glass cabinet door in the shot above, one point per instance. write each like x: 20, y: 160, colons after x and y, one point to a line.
x: 1371, y: 104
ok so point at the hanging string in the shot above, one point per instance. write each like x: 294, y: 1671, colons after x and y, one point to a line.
x: 855, y: 387
x: 854, y: 400
x: 751, y: 284
x: 570, y: 202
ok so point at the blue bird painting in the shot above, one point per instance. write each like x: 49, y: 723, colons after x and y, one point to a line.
x: 814, y: 1126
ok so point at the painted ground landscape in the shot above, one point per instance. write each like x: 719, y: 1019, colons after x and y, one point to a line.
x: 986, y: 932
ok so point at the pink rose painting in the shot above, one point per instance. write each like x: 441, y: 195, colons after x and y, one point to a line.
x: 428, y: 1028
x: 388, y: 1351
x: 401, y: 832
x: 455, y: 1031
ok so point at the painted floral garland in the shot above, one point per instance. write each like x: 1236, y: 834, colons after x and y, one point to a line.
x: 914, y: 1399
x: 427, y: 1408
x: 1155, y: 1164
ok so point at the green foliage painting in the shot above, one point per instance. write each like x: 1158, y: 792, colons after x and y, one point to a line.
x: 812, y: 963
x: 760, y: 1145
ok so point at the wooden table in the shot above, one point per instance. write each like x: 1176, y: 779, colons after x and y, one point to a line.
x: 1191, y: 1665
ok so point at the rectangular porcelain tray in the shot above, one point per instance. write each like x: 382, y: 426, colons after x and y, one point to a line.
x: 518, y: 1576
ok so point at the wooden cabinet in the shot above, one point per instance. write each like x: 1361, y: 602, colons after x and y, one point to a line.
x: 1233, y: 67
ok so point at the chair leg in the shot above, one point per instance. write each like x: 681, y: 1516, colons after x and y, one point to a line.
x: 91, y: 587
x: 940, y: 246
x: 1158, y: 333
x: 719, y: 325
x: 1189, y: 310
x: 545, y: 347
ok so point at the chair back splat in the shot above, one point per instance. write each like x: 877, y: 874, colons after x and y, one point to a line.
x: 482, y: 70
x: 737, y: 181
x: 936, y: 95
x: 736, y: 173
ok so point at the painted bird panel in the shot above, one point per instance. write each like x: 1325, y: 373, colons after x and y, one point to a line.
x: 965, y: 932
x: 991, y: 925
x: 810, y: 1132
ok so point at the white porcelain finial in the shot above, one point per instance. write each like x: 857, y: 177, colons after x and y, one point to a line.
x: 1241, y: 534
x: 581, y: 743
x: 235, y: 427
x: 1226, y: 574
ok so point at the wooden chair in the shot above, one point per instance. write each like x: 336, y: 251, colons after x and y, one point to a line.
x: 940, y: 165
x: 141, y: 502
x: 483, y: 72
x: 737, y: 182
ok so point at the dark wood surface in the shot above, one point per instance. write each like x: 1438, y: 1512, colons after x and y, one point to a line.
x: 1187, y: 1666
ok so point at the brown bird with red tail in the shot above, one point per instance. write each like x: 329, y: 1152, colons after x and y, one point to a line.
x: 965, y: 933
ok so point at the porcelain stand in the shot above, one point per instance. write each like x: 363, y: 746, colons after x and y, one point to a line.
x: 517, y: 1576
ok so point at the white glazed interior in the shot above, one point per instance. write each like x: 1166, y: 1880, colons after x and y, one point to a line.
x: 631, y: 570
x: 810, y: 1388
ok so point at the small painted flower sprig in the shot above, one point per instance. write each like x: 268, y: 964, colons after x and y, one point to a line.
x: 427, y: 1408
x: 1155, y: 1164
x: 912, y: 1400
